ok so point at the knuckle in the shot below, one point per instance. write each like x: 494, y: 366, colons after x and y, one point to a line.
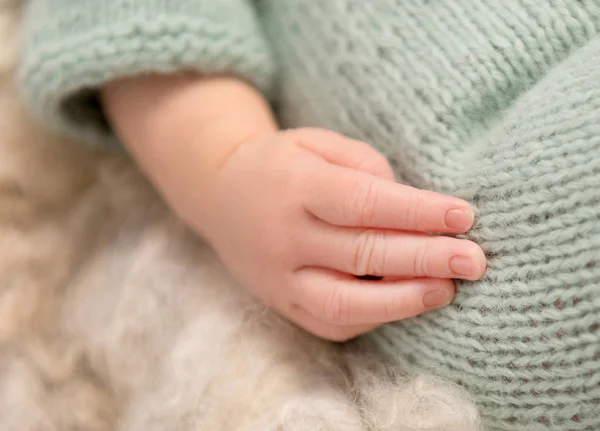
x: 298, y: 182
x: 421, y: 259
x: 362, y: 203
x: 295, y: 243
x: 413, y: 208
x: 393, y: 309
x: 370, y: 252
x: 335, y: 307
x: 301, y: 183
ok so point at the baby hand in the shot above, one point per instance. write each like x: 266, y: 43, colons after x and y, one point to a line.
x: 297, y: 215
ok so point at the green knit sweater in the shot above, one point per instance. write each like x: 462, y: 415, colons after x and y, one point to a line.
x: 497, y: 102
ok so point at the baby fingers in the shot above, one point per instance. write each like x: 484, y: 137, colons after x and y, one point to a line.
x: 346, y: 197
x: 340, y: 300
x: 388, y: 253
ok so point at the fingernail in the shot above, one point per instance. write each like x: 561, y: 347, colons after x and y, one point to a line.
x: 436, y: 299
x: 459, y: 219
x: 463, y: 266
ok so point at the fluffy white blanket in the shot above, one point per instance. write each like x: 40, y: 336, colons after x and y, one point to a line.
x: 113, y: 316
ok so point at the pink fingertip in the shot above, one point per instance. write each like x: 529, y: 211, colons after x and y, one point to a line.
x: 436, y: 298
x: 463, y: 266
x: 459, y: 219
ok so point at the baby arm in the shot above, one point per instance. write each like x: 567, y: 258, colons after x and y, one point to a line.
x: 296, y: 215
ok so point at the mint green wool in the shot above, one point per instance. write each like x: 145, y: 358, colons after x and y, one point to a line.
x: 494, y: 101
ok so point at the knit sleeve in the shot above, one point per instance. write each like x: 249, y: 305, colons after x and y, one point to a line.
x: 71, y: 48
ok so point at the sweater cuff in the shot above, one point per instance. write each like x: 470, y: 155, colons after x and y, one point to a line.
x: 71, y: 49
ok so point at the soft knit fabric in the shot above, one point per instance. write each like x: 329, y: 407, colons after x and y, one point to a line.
x: 70, y: 48
x: 496, y: 102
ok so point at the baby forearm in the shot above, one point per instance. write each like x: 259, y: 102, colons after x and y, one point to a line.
x: 181, y: 128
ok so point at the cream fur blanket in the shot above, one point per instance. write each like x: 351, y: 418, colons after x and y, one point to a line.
x: 113, y: 316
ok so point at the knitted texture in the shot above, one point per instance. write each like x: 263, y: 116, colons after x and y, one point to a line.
x: 70, y: 48
x: 495, y: 102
